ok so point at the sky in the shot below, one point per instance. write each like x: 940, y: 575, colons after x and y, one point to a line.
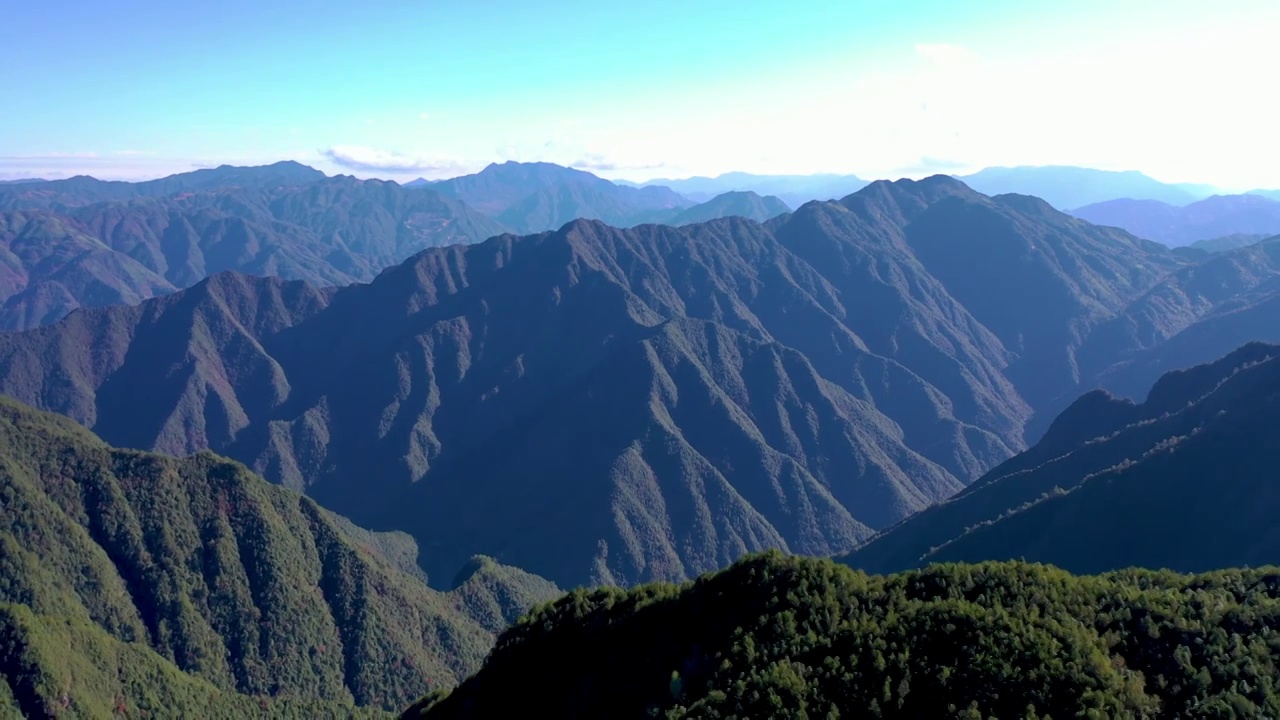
x: 134, y: 89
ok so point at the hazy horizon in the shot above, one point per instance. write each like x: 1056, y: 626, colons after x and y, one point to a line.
x: 143, y: 89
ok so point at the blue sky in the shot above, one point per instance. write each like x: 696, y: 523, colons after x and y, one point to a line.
x: 132, y: 88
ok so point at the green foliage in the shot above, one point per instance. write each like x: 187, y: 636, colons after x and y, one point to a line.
x: 196, y: 571
x: 781, y: 637
x: 54, y: 667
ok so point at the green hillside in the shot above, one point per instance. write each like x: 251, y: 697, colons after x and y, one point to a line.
x: 151, y: 579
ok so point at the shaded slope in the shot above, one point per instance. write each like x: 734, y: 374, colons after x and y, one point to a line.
x: 797, y: 638
x: 1182, y: 481
x: 49, y: 266
x: 246, y: 586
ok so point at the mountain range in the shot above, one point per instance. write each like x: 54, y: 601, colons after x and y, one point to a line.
x: 83, y: 242
x: 138, y: 583
x: 603, y: 405
x: 1228, y: 242
x: 794, y: 190
x: 1066, y: 187
x: 63, y: 246
x: 1214, y: 217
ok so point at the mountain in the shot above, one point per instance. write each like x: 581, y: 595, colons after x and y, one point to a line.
x: 151, y: 583
x: 1194, y: 315
x: 21, y: 181
x: 1270, y: 194
x: 534, y: 197
x: 783, y: 637
x: 1183, y: 480
x: 335, y: 231
x: 601, y: 405
x: 732, y: 204
x: 84, y: 190
x: 794, y: 190
x: 1228, y: 242
x: 1066, y: 187
x: 1210, y: 218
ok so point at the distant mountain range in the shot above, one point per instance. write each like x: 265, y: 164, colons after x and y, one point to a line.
x: 1066, y: 187
x: 533, y: 197
x: 84, y: 190
x: 1184, y: 480
x: 1214, y: 217
x: 794, y: 190
x: 744, y: 204
x: 84, y: 243
x: 603, y: 405
x: 1228, y: 242
x: 135, y: 583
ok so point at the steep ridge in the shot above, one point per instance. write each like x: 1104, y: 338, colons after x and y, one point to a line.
x: 782, y: 637
x: 1181, y: 481
x: 231, y: 584
x: 330, y: 231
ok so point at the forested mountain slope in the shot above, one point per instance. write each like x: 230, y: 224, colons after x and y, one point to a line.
x: 139, y: 581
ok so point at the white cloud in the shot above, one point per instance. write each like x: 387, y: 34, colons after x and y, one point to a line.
x: 366, y: 159
x: 1193, y: 106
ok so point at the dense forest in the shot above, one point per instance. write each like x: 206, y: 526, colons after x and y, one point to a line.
x: 788, y: 637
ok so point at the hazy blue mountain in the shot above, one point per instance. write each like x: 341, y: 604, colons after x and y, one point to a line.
x: 1272, y: 194
x: 794, y: 190
x: 1067, y: 187
x: 333, y: 231
x: 536, y: 197
x: 744, y: 204
x: 84, y: 190
x: 1228, y: 242
x: 1213, y: 217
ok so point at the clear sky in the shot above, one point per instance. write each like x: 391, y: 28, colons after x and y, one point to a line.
x: 1181, y: 89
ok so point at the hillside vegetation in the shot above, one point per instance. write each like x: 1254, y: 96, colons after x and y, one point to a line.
x: 775, y: 637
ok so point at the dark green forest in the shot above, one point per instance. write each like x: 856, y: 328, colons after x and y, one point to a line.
x: 789, y: 637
